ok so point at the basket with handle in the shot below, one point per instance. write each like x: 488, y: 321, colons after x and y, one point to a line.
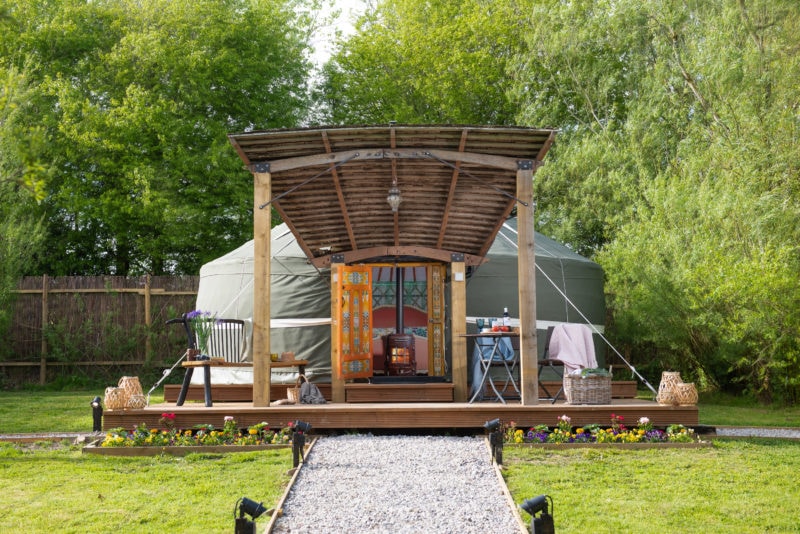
x: 590, y: 389
x: 293, y: 394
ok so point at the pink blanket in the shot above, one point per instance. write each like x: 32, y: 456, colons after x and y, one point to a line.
x: 573, y: 345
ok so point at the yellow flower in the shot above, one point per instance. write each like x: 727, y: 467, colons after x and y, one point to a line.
x: 253, y: 431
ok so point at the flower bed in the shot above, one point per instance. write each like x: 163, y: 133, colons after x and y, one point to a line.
x: 615, y: 433
x: 201, y: 438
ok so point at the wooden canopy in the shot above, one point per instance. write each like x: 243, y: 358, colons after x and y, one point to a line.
x: 457, y: 185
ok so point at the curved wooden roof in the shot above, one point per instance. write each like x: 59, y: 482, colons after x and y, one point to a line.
x: 457, y: 184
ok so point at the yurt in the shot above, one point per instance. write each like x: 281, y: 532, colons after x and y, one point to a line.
x: 569, y: 288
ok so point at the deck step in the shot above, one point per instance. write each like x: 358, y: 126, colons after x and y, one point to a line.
x: 437, y: 392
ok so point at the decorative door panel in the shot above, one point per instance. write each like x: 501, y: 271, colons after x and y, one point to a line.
x: 355, y: 322
x: 436, y: 320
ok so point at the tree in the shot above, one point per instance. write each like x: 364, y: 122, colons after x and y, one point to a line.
x: 20, y: 180
x: 678, y: 167
x: 136, y: 98
x: 411, y: 61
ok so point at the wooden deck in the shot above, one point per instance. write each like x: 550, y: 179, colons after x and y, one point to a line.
x: 363, y: 392
x: 403, y: 415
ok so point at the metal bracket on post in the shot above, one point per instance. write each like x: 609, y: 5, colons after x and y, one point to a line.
x: 260, y: 167
x: 524, y: 165
x: 457, y: 257
x: 337, y: 258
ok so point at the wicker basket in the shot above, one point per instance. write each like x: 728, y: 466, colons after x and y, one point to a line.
x: 667, y: 389
x: 686, y: 394
x: 136, y: 402
x: 293, y: 394
x: 115, y: 398
x: 131, y: 385
x: 127, y: 394
x: 590, y: 389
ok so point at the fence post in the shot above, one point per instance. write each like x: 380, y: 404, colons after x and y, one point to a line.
x: 43, y: 361
x: 148, y: 321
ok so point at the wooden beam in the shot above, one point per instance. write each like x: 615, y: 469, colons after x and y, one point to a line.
x: 451, y: 194
x: 526, y: 270
x: 339, y: 193
x: 262, y: 230
x: 458, y: 327
x: 356, y: 256
x: 372, y: 153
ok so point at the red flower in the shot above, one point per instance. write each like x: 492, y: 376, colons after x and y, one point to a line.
x: 168, y: 416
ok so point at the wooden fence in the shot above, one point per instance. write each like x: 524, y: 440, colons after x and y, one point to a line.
x: 94, y: 322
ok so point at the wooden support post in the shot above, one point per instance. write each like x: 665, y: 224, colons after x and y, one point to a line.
x: 526, y: 265
x: 262, y: 253
x: 458, y: 327
x: 337, y: 382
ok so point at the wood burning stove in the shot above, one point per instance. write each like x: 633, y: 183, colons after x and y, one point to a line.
x: 399, y: 352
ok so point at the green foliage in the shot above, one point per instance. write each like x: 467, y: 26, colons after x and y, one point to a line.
x: 678, y: 167
x: 424, y: 62
x: 20, y: 231
x: 135, y: 99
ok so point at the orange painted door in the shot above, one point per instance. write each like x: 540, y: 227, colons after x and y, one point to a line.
x: 355, y: 322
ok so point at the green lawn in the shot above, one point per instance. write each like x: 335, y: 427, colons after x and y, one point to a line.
x: 734, y: 486
x: 66, y: 491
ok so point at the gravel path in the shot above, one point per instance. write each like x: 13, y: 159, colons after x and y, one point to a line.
x: 398, y: 484
x: 753, y: 432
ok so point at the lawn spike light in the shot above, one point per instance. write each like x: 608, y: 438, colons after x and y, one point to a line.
x: 253, y: 509
x: 495, y: 430
x: 97, y: 415
x: 299, y: 441
x: 542, y: 524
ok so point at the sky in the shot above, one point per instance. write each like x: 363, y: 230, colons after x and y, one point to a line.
x: 323, y: 39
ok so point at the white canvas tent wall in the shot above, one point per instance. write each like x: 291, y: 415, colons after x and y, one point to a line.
x: 301, y: 295
x: 300, y: 305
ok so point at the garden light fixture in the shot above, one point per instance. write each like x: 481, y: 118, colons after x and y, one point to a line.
x: 494, y: 428
x: 542, y: 524
x: 492, y: 425
x: 253, y: 509
x: 299, y: 441
x: 301, y: 426
x: 97, y: 415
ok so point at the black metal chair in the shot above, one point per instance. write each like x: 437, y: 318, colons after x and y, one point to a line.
x: 550, y: 363
x: 225, y: 348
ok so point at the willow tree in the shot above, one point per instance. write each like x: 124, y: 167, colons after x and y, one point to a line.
x: 678, y: 163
